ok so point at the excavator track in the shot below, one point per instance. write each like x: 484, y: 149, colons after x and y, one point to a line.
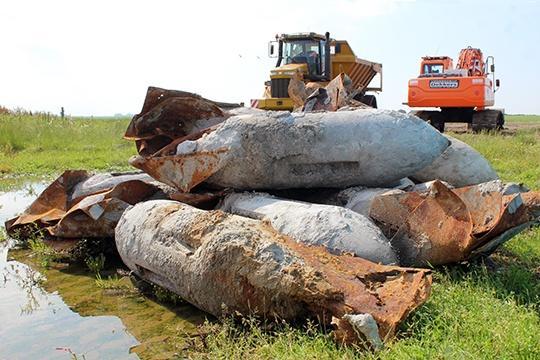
x: 435, y: 118
x: 487, y: 120
x: 481, y: 120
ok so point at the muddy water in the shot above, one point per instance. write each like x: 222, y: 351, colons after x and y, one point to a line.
x: 61, y: 313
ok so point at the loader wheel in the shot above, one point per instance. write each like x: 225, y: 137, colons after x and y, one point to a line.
x: 369, y: 100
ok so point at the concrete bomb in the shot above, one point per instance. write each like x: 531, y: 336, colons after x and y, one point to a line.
x: 277, y: 150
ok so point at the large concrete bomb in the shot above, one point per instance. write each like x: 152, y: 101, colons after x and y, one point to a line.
x: 459, y: 165
x: 276, y: 150
x: 225, y: 264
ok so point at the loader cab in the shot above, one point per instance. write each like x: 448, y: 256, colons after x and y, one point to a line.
x: 310, y: 49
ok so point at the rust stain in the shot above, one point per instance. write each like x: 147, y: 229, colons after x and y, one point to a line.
x: 388, y: 293
x: 531, y: 201
x: 446, y: 225
x: 391, y: 209
x: 182, y: 172
x: 485, y: 207
x: 167, y: 115
x: 94, y: 215
x: 436, y: 231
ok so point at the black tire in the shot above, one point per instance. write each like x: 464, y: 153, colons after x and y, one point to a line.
x: 487, y: 120
x: 500, y: 121
x: 369, y: 100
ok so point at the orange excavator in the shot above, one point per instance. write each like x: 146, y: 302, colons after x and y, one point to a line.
x: 462, y: 94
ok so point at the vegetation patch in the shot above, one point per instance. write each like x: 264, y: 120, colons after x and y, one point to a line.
x: 3, y: 235
x: 488, y: 309
x: 44, y: 145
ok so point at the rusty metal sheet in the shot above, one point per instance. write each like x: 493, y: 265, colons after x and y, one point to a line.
x: 227, y: 264
x: 494, y: 213
x: 202, y: 200
x: 388, y: 293
x: 448, y: 225
x: 79, y: 204
x: 390, y: 208
x: 183, y: 172
x: 531, y: 200
x: 53, y: 202
x: 330, y: 98
x: 436, y: 231
x: 485, y: 207
x: 154, y: 95
x: 97, y: 215
x: 513, y: 214
x: 297, y: 90
x: 170, y: 149
x: 169, y: 114
x: 337, y: 94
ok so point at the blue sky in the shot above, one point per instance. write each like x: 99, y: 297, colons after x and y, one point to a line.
x: 98, y: 57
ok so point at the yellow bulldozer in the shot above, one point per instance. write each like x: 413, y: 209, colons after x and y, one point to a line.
x: 316, y: 59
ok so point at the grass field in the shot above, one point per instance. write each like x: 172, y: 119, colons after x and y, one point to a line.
x: 514, y: 157
x: 42, y: 146
x: 522, y: 119
x: 475, y: 311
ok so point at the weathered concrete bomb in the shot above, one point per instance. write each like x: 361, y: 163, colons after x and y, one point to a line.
x: 276, y: 150
x: 225, y: 264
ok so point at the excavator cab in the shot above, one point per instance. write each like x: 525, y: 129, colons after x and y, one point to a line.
x: 435, y: 65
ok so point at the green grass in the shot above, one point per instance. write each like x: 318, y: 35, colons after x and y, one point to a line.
x: 95, y: 263
x: 514, y: 157
x: 44, y: 146
x: 113, y: 282
x: 522, y: 119
x: 44, y: 254
x: 475, y: 312
x: 472, y: 314
x: 3, y: 235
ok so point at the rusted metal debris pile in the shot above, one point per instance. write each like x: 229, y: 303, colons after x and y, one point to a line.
x: 343, y: 200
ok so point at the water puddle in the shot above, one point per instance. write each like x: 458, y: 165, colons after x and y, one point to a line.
x: 14, y: 202
x: 61, y: 313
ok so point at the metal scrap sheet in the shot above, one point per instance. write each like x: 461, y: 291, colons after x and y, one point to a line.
x: 169, y: 114
x: 78, y: 204
x: 446, y: 225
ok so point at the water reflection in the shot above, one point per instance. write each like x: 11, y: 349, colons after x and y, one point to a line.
x: 35, y: 324
x: 13, y: 203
